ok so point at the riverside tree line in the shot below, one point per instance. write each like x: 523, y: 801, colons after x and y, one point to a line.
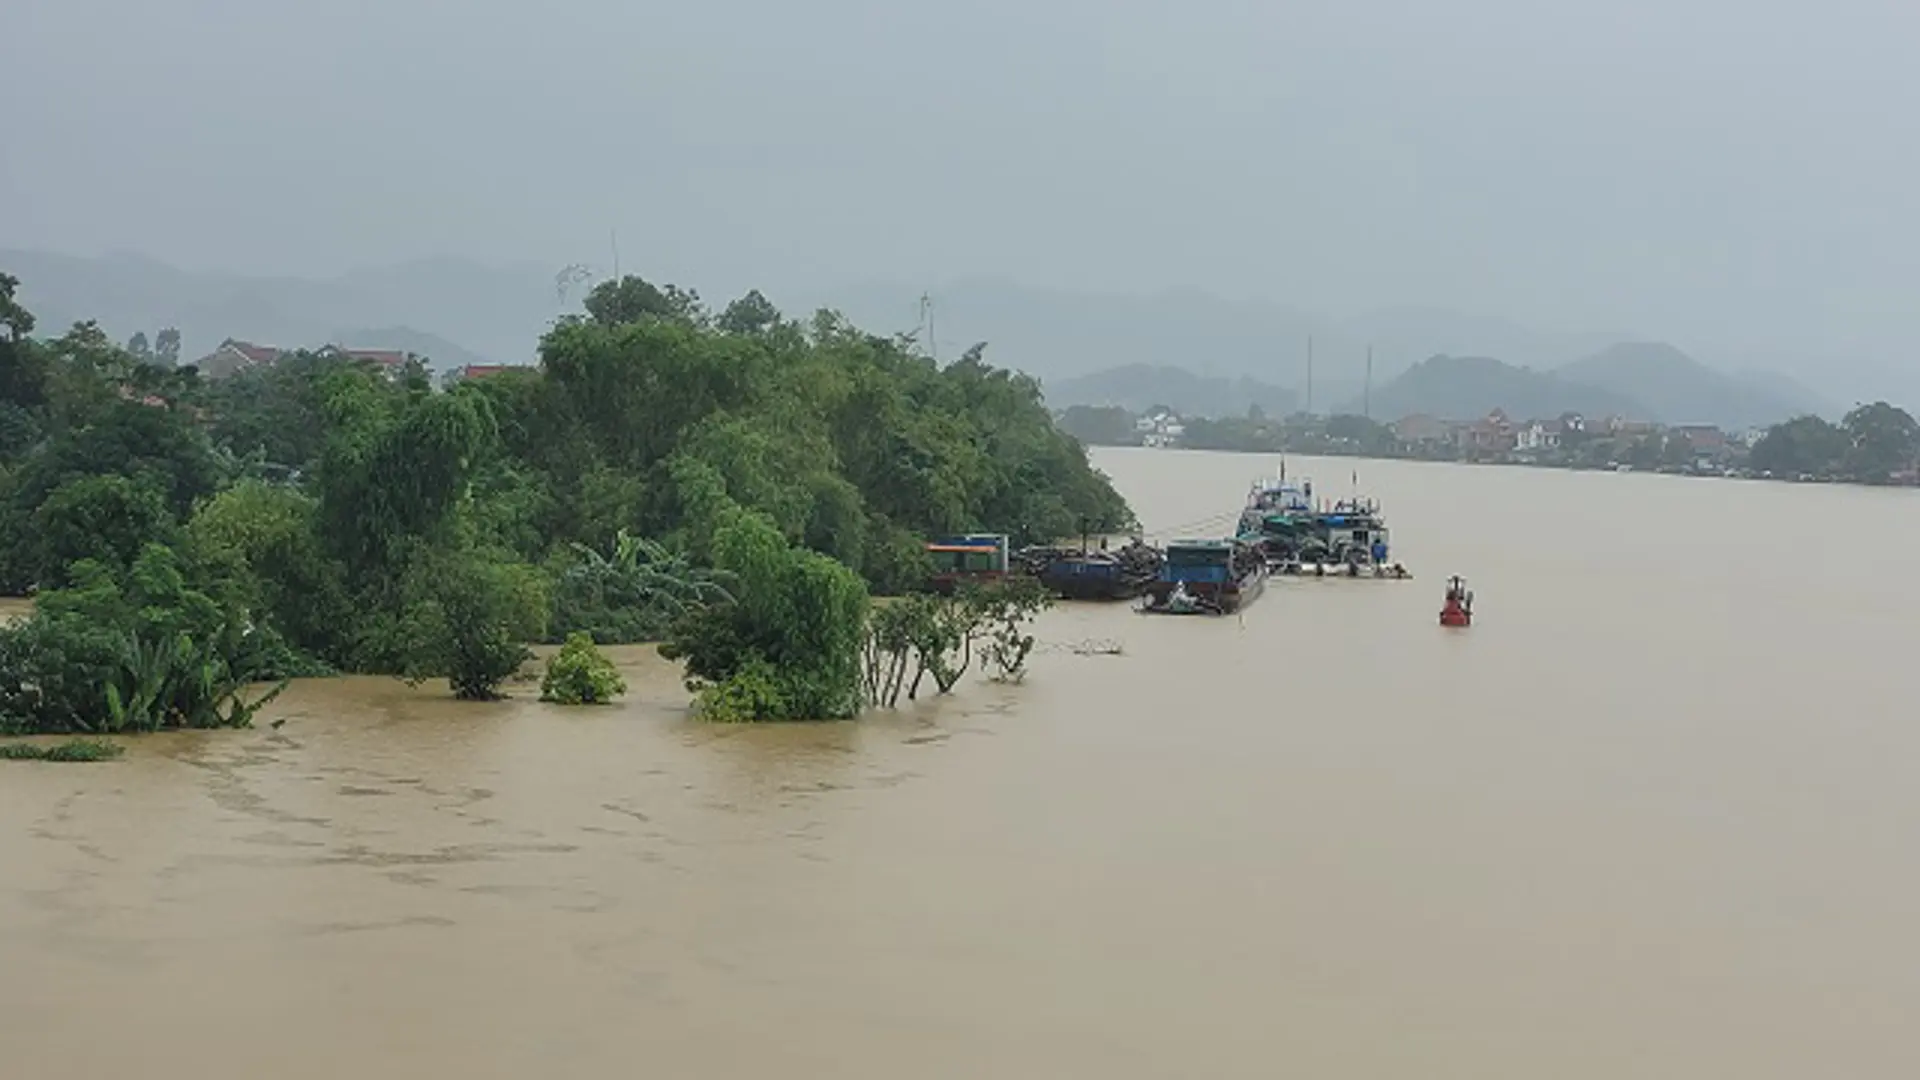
x: 736, y: 485
x: 1874, y: 443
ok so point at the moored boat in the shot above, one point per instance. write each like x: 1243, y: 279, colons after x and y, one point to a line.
x: 1269, y: 496
x: 1102, y: 574
x: 1212, y: 577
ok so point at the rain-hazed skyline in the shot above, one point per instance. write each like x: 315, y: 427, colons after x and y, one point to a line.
x: 1732, y: 176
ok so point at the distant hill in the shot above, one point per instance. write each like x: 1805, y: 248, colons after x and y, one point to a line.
x: 1139, y: 387
x: 1802, y: 397
x: 1469, y: 387
x: 457, y: 309
x: 1059, y: 333
x: 1678, y: 389
x: 497, y: 314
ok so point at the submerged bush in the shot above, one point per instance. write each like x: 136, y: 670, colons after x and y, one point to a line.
x: 580, y: 674
x: 468, y: 620
x: 788, y: 647
x: 135, y: 650
x: 71, y: 750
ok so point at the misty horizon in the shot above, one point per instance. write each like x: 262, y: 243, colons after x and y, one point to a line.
x: 1726, y: 177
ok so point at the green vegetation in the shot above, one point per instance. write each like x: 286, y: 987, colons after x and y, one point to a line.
x: 1872, y: 444
x: 580, y: 674
x: 924, y: 635
x: 733, y: 485
x: 76, y: 750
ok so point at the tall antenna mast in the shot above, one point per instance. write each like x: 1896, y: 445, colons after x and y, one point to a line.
x: 1366, y: 394
x: 926, y: 319
x: 1309, y: 374
x: 613, y: 241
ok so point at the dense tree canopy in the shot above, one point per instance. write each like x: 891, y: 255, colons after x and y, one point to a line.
x: 749, y: 478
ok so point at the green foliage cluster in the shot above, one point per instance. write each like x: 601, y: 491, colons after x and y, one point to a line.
x: 76, y: 750
x: 1873, y: 444
x: 135, y: 649
x: 733, y: 485
x: 580, y: 674
x: 940, y: 636
x: 787, y: 648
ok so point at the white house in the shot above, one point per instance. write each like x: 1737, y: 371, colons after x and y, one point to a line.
x: 1537, y: 436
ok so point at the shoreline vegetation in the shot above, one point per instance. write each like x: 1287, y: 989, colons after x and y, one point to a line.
x: 735, y: 485
x: 1875, y: 444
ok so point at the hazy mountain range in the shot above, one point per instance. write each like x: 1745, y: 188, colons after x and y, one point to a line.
x: 453, y: 311
x: 1190, y: 350
x: 1140, y: 387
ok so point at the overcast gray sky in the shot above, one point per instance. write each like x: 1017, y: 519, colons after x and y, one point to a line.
x: 1742, y: 171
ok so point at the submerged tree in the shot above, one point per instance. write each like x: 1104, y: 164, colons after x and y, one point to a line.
x: 580, y: 674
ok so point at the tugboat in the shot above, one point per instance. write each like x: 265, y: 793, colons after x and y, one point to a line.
x: 1276, y: 497
x: 1211, y: 577
x: 1458, y: 609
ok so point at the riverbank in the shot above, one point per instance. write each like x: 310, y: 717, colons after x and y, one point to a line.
x: 1528, y: 462
x: 1874, y: 445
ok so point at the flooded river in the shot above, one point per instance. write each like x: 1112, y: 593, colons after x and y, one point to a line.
x: 1652, y: 817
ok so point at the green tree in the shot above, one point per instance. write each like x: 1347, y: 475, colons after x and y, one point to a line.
x: 166, y: 348
x: 107, y: 519
x: 580, y: 674
x: 751, y: 314
x: 1882, y: 440
x: 788, y: 647
x: 1803, y: 445
x: 1100, y: 425
x: 467, y: 619
x: 630, y: 299
x: 134, y: 649
x: 395, y: 466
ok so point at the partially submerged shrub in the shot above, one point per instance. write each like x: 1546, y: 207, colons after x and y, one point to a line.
x: 580, y: 674
x: 71, y: 750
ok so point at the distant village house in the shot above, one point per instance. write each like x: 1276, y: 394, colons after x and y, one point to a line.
x: 1161, y: 428
x: 234, y: 356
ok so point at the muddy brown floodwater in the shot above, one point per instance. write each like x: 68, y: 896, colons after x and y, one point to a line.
x: 1652, y: 817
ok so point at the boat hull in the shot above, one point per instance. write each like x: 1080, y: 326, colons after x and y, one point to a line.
x: 1341, y: 571
x: 1211, y: 598
x: 1091, y: 587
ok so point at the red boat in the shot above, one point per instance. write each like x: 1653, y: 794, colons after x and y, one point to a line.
x: 1458, y: 609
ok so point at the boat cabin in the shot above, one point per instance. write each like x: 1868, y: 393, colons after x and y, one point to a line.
x: 974, y: 557
x: 1197, y: 562
x: 1354, y: 527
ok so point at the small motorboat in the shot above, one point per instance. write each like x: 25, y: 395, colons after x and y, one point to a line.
x: 1458, y: 608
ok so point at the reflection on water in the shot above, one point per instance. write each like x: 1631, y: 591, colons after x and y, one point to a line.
x: 1650, y: 817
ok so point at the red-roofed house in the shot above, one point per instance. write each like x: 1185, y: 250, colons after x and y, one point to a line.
x: 390, y: 361
x: 235, y: 356
x: 1704, y: 438
x: 479, y: 371
x: 1492, y: 435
